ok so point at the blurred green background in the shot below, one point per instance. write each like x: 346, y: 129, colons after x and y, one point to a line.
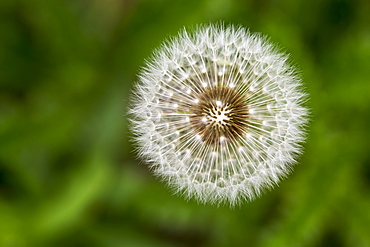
x: 68, y: 173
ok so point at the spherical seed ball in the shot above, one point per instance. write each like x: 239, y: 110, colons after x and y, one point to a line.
x: 218, y: 114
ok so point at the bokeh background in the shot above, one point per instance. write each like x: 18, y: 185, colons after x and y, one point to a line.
x: 68, y: 173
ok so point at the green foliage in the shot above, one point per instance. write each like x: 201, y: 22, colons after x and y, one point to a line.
x: 68, y: 174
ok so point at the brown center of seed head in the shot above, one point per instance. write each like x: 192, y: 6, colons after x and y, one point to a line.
x: 220, y: 115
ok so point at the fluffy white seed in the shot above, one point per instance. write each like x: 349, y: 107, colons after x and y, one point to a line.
x: 230, y: 119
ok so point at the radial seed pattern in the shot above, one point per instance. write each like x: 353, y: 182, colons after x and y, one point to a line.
x: 218, y: 113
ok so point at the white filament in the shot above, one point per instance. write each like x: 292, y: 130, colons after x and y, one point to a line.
x: 238, y: 169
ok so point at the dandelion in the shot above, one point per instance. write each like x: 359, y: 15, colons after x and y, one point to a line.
x: 219, y: 115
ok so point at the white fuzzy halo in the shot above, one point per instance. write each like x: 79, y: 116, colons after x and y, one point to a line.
x: 187, y: 66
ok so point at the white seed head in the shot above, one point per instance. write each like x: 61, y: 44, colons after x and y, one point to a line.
x: 230, y: 114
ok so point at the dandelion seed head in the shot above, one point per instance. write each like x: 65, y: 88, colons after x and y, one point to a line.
x: 218, y: 112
